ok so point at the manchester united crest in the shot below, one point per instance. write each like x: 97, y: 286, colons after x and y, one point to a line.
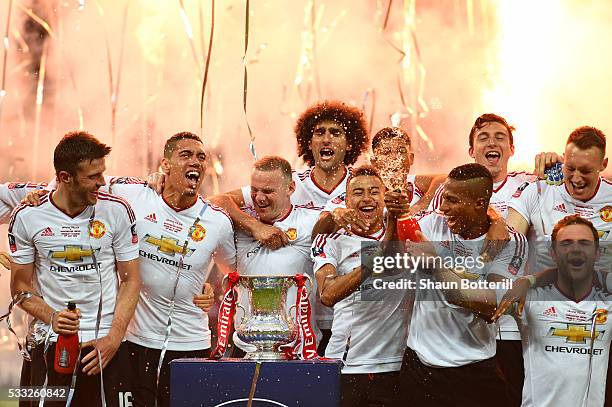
x: 291, y: 233
x: 606, y: 213
x: 97, y: 229
x: 198, y: 233
x: 601, y: 316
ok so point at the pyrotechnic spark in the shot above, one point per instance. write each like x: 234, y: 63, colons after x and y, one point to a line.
x: 189, y: 32
x: 5, y: 59
x: 523, y: 64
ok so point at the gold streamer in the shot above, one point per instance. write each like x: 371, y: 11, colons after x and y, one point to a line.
x: 189, y: 32
x: 245, y: 80
x: 206, y: 66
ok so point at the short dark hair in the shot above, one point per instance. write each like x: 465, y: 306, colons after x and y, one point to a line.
x: 390, y: 133
x: 273, y: 163
x: 364, y: 170
x: 574, y: 220
x: 350, y: 118
x: 171, y: 142
x: 75, y: 147
x: 586, y: 137
x: 487, y: 118
x: 471, y: 171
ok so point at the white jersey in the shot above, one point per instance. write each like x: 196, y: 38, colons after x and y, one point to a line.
x: 63, y: 249
x: 557, y: 348
x: 543, y: 205
x: 502, y: 192
x: 294, y: 258
x: 340, y: 200
x: 163, y: 231
x: 443, y: 334
x: 11, y: 194
x: 377, y: 329
x: 502, y: 195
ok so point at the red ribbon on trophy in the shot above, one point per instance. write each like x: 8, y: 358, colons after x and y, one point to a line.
x: 226, y: 315
x: 306, y: 344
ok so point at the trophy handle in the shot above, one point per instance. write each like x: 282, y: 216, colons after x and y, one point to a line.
x: 242, y: 320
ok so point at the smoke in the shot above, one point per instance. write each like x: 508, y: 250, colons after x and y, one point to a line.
x: 543, y: 66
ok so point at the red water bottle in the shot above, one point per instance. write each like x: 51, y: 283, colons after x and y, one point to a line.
x: 407, y: 226
x: 66, y: 350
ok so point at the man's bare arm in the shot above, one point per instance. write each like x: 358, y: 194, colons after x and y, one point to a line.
x: 481, y: 302
x: 127, y: 297
x: 268, y: 235
x: 517, y: 221
x: 334, y: 288
x: 21, y: 281
x: 62, y: 321
x: 429, y: 184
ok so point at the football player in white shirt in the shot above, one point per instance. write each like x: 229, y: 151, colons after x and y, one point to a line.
x: 165, y: 222
x: 491, y: 143
x: 270, y: 192
x: 330, y: 135
x: 449, y: 338
x: 79, y: 245
x: 567, y: 329
x: 368, y: 335
x: 536, y: 208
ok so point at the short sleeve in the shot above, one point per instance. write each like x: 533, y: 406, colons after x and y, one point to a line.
x: 11, y: 194
x: 246, y: 196
x: 125, y: 237
x: 225, y: 253
x: 21, y: 244
x: 525, y: 199
x: 510, y: 263
x: 325, y: 251
x: 436, y: 201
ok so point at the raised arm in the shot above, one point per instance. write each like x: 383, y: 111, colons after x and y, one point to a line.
x: 429, y: 184
x: 268, y: 235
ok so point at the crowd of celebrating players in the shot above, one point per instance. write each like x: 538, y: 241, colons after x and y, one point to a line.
x: 129, y: 252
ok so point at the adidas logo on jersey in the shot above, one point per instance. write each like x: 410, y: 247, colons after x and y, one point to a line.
x: 551, y: 312
x: 560, y: 208
x: 47, y: 232
x: 151, y: 217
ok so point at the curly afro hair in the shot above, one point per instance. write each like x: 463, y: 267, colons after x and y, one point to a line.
x: 349, y: 117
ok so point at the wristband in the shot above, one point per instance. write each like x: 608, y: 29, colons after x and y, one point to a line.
x: 532, y: 279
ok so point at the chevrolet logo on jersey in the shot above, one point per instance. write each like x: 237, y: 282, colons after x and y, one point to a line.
x: 167, y: 245
x: 575, y: 333
x: 71, y: 254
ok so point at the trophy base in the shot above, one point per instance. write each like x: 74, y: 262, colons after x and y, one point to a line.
x: 265, y: 355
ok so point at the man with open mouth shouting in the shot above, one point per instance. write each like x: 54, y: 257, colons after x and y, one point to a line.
x: 180, y: 233
x: 330, y: 135
x: 539, y: 206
